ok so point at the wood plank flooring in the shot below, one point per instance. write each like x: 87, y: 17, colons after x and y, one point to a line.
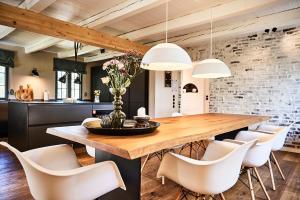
x: 13, y: 184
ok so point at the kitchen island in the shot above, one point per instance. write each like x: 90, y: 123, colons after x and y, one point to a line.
x: 28, y: 121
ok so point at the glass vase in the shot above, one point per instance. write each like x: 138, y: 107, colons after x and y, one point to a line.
x: 117, y: 116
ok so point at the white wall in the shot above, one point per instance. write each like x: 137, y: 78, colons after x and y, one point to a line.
x: 164, y: 95
x: 43, y: 61
x: 161, y: 98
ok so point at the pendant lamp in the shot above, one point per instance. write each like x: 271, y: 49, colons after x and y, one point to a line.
x: 210, y: 68
x: 166, y: 56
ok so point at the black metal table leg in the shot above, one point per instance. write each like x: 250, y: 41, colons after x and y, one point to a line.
x: 131, y: 173
x: 230, y: 135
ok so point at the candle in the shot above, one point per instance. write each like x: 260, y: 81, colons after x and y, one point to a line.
x: 141, y: 112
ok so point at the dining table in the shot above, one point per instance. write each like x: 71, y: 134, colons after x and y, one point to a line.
x: 127, y: 151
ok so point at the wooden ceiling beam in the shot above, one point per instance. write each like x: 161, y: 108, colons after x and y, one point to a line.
x: 118, y: 12
x: 35, y: 5
x: 42, y: 24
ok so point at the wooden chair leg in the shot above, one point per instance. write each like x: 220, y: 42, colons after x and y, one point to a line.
x: 261, y: 183
x: 250, y: 185
x: 277, y: 165
x: 222, y: 196
x: 272, y: 176
x: 178, y: 195
x: 145, y: 162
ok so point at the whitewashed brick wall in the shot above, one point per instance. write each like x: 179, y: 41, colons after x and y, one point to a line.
x: 265, y: 81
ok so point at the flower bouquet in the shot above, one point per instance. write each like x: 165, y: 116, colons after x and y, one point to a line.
x: 121, y: 71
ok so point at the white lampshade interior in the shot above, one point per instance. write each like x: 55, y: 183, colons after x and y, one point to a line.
x: 166, y: 57
x: 210, y: 68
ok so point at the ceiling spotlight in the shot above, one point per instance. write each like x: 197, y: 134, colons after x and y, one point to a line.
x: 63, y: 79
x: 274, y: 29
x: 35, y: 73
x: 267, y: 30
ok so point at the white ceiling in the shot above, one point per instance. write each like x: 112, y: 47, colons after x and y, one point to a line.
x: 144, y: 23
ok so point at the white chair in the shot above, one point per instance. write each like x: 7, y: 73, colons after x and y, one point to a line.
x: 279, y: 141
x: 257, y: 156
x: 90, y: 150
x: 215, y: 173
x: 54, y: 173
x: 281, y: 132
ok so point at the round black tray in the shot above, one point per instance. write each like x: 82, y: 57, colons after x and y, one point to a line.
x: 125, y: 131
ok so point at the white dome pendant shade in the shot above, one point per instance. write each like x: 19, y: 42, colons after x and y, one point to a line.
x: 166, y: 57
x: 210, y: 68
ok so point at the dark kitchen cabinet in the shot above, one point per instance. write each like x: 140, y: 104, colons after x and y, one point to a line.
x: 28, y: 121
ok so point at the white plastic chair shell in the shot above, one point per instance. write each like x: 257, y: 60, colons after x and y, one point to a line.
x: 259, y: 154
x: 216, y: 173
x: 280, y: 138
x: 54, y: 173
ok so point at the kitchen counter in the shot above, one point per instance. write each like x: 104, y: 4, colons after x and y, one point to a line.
x: 28, y: 121
x: 56, y: 102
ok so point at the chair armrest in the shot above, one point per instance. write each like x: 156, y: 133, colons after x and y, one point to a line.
x: 89, y: 182
x: 57, y: 157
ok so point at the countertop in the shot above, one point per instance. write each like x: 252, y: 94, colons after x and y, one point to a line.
x: 60, y: 102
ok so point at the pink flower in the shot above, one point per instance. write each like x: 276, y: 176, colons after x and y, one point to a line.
x: 105, y: 80
x: 105, y: 65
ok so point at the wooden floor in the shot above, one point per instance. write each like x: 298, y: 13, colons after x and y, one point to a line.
x: 13, y: 185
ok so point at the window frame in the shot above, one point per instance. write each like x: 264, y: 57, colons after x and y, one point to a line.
x: 69, y: 85
x: 6, y: 83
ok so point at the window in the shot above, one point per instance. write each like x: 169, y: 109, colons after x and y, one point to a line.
x: 69, y: 89
x: 3, y: 82
x: 75, y: 88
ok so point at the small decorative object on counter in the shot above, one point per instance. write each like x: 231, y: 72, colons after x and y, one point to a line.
x: 97, y: 96
x: 121, y: 72
x: 46, y: 95
x: 24, y: 94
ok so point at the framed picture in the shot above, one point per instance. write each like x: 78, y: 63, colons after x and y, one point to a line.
x: 168, y: 79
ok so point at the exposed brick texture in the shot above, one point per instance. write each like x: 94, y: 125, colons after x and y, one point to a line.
x: 265, y: 81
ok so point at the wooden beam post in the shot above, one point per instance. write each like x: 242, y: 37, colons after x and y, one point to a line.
x: 42, y: 24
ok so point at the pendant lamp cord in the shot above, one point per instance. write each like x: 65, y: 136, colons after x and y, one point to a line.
x: 211, y: 33
x: 167, y: 15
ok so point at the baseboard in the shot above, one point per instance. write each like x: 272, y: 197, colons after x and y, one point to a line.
x: 290, y: 149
